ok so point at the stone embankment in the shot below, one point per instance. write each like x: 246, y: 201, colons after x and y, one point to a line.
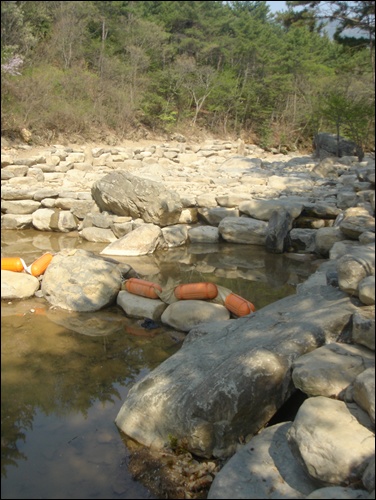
x: 217, y: 395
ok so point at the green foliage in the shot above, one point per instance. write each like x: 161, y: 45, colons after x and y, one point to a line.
x: 16, y: 30
x: 334, y: 109
x: 360, y: 117
x: 350, y: 115
x: 230, y: 67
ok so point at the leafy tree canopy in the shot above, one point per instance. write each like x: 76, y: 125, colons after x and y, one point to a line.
x: 84, y: 67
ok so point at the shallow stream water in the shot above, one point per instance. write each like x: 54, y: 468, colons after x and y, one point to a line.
x: 64, y: 375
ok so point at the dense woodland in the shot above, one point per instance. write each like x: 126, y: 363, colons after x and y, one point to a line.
x: 95, y: 69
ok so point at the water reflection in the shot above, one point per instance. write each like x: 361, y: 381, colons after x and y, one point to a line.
x: 53, y: 373
x: 65, y: 374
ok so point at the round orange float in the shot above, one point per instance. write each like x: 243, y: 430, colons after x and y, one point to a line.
x: 196, y: 291
x: 143, y: 288
x: 238, y: 306
x: 39, y: 266
x: 15, y: 264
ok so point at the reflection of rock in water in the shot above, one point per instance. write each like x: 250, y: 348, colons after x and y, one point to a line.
x: 277, y: 273
x: 101, y: 324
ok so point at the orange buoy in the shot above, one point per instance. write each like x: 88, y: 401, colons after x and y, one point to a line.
x: 196, y: 291
x: 40, y: 265
x: 238, y: 306
x: 143, y: 288
x: 15, y: 264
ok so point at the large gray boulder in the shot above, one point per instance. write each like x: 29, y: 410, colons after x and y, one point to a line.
x: 332, y: 145
x: 125, y: 194
x: 80, y: 281
x: 230, y: 381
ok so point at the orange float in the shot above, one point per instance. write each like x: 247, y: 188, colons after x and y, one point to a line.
x: 238, y: 306
x: 196, y: 291
x: 15, y: 264
x: 39, y: 266
x: 143, y: 288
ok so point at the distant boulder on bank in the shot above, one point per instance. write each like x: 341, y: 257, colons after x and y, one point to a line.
x: 125, y: 194
x: 326, y: 144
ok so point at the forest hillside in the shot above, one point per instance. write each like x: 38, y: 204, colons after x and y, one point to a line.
x: 95, y: 70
